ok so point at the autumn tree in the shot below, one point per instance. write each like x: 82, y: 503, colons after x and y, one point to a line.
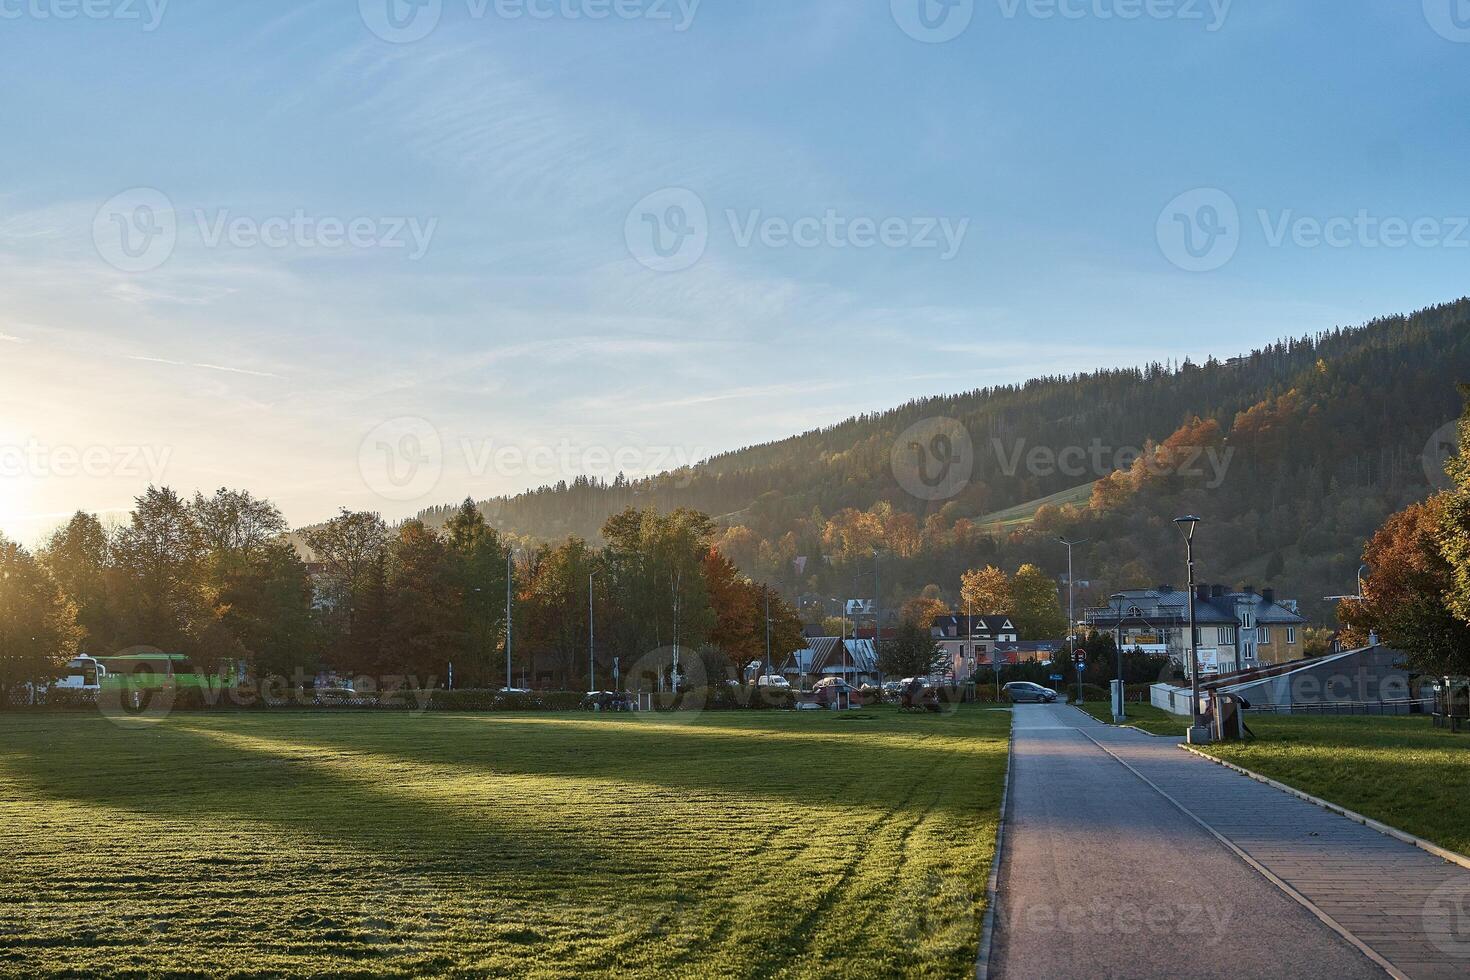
x: 986, y: 591
x: 38, y: 627
x: 1404, y: 600
x: 923, y: 610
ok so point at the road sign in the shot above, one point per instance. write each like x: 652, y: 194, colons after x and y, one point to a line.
x: 1081, y: 667
x: 1058, y: 677
x: 1080, y: 656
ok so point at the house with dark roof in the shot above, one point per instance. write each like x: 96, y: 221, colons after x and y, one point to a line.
x: 853, y: 660
x: 969, y: 642
x: 1237, y: 630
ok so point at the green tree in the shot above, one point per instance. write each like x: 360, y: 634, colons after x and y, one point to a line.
x: 1036, y: 606
x: 913, y: 652
x: 352, y: 549
x: 79, y: 556
x: 478, y: 563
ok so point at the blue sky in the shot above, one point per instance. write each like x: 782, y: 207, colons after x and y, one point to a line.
x: 997, y: 206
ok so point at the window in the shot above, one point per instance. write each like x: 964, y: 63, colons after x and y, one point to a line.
x: 1263, y: 634
x: 1291, y: 634
x: 1227, y: 634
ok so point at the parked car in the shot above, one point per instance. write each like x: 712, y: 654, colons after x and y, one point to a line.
x: 1022, y: 692
x: 606, y: 701
x: 773, y: 681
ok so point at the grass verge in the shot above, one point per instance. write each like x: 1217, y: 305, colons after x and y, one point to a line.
x: 1145, y: 717
x: 1399, y: 771
x: 777, y: 844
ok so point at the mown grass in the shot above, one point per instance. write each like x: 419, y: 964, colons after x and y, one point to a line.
x: 1400, y: 771
x: 345, y: 844
x: 1146, y: 717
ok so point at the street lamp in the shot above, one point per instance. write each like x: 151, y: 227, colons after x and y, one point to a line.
x: 1072, y: 610
x: 1197, y: 734
x: 591, y: 639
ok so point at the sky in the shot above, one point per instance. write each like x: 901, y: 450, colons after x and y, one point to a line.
x: 384, y: 254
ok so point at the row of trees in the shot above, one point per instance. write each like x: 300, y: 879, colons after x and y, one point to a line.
x: 220, y: 580
x: 1417, y: 597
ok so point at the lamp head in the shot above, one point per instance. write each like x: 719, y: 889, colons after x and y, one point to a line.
x: 1187, y: 526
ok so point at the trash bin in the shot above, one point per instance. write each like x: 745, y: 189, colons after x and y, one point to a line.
x: 1228, y: 719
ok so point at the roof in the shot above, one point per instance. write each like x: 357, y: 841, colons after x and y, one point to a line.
x: 1153, y: 607
x: 953, y: 625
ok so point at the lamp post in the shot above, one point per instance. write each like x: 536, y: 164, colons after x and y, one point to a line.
x: 1197, y: 734
x: 591, y: 638
x: 1072, y: 609
x: 509, y: 579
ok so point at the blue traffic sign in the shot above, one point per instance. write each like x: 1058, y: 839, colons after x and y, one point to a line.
x: 1081, y: 668
x: 1058, y: 677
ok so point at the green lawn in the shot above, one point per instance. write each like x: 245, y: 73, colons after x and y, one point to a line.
x: 1155, y: 721
x: 1400, y: 771
x: 779, y: 844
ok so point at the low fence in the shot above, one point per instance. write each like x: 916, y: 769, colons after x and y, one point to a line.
x: 1167, y: 697
x: 1409, y: 706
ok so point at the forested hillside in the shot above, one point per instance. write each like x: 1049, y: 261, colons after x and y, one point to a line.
x: 1293, y: 455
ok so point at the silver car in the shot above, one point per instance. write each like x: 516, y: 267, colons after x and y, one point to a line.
x: 1022, y: 692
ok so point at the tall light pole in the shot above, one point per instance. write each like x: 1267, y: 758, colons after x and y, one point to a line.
x: 591, y: 639
x: 509, y: 579
x: 767, y: 590
x: 1072, y: 609
x: 1197, y: 734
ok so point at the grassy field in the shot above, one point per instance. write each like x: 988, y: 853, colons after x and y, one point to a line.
x: 1400, y: 771
x: 783, y: 844
x: 1022, y: 515
x: 1155, y: 721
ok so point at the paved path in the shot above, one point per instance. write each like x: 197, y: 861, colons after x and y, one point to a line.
x: 1104, y: 877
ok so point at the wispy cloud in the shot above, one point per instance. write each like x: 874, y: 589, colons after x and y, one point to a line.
x: 201, y: 366
x: 6, y: 338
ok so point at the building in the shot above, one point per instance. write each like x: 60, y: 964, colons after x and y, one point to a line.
x: 1371, y: 680
x: 1237, y: 630
x: 853, y: 660
x: 969, y: 642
